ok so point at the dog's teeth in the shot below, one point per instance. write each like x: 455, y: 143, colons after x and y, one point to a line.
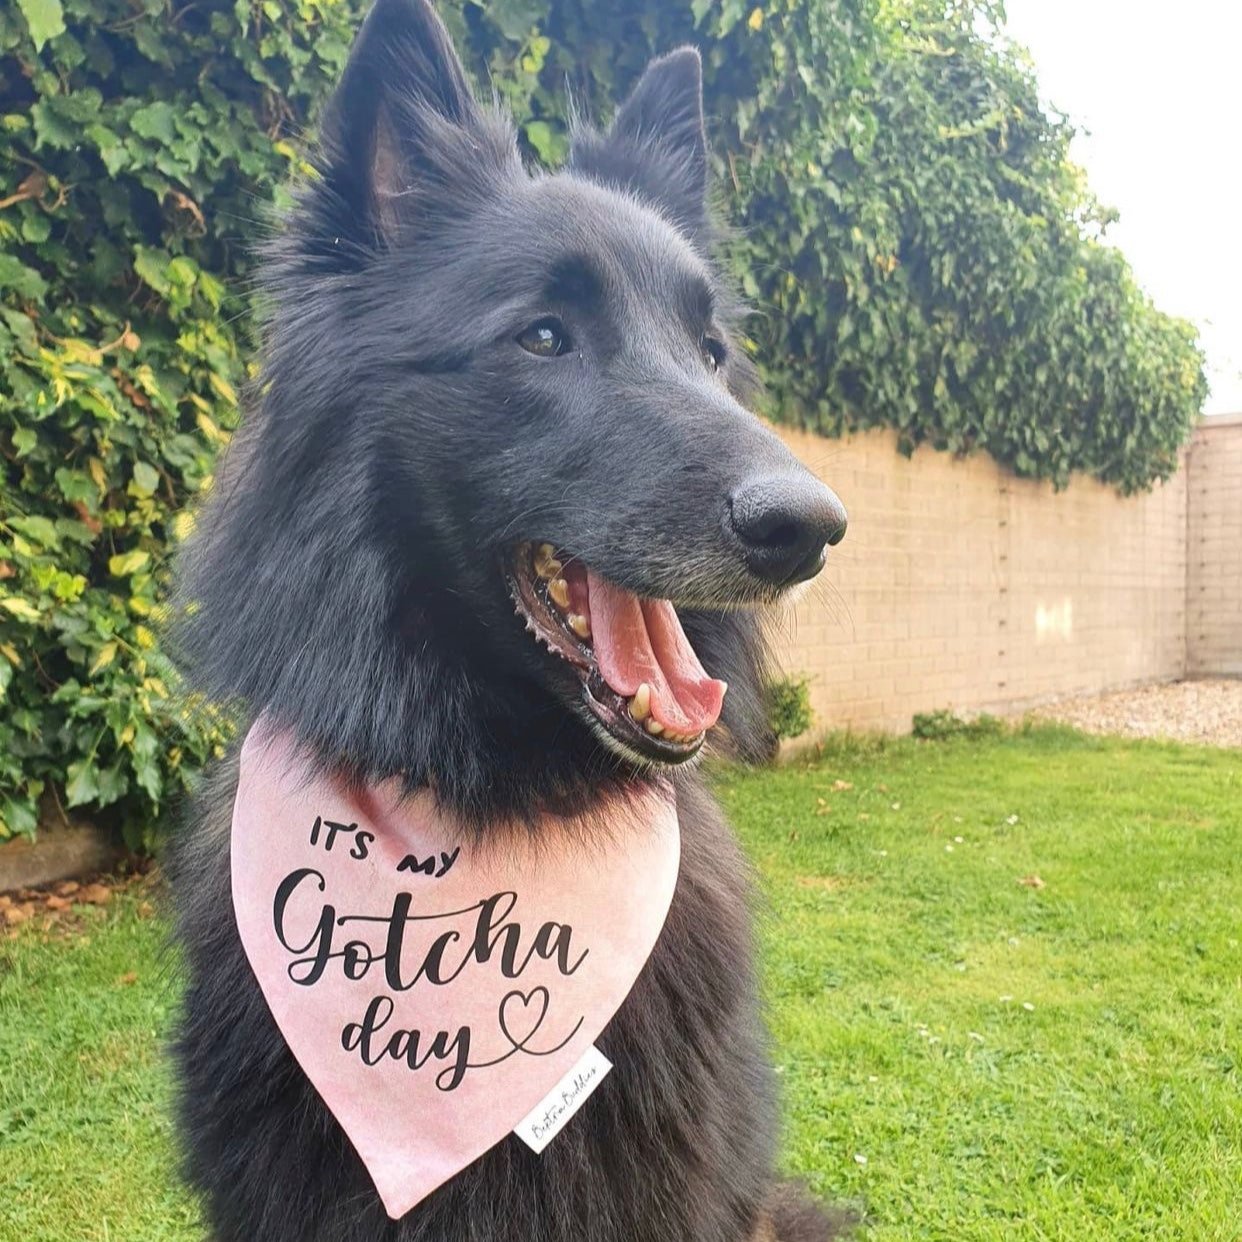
x: 655, y: 727
x: 640, y: 704
x: 558, y: 589
x: 546, y: 564
x: 580, y: 625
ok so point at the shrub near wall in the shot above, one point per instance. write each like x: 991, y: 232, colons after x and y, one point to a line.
x: 920, y: 251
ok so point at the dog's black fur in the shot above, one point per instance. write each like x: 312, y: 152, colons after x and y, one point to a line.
x: 346, y: 582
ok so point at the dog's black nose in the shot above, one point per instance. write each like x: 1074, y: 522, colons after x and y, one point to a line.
x: 782, y: 523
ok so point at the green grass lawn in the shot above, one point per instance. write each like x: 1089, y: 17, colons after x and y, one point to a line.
x: 963, y: 1056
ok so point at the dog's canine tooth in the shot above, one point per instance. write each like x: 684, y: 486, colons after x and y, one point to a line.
x: 654, y: 727
x: 640, y: 704
x: 558, y: 589
x: 546, y: 564
x: 580, y: 625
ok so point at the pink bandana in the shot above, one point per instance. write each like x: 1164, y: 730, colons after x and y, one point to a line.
x: 435, y: 988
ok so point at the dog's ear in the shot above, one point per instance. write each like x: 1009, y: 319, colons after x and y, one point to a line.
x: 402, y: 122
x: 657, y: 145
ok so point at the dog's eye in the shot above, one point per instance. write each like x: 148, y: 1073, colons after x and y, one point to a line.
x: 713, y: 352
x: 545, y: 338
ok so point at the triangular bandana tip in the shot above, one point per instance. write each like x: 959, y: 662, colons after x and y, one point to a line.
x: 434, y: 988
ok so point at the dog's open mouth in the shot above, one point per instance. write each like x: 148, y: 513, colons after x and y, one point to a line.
x: 641, y: 679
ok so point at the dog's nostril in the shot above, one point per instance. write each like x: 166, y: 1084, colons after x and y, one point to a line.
x: 783, y: 535
x: 782, y: 524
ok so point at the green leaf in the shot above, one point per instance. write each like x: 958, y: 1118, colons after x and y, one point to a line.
x: 155, y: 121
x: 45, y: 19
x: 541, y: 136
x: 111, y: 149
x: 152, y: 267
x: 182, y: 271
x: 19, y: 816
x: 52, y: 127
x: 36, y: 227
x: 111, y: 784
x: 75, y: 485
x: 126, y: 563
x: 149, y: 778
x: 37, y: 527
x: 24, y: 441
x: 22, y: 280
x: 82, y: 785
x: 146, y: 479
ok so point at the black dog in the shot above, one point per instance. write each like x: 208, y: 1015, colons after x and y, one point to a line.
x: 485, y: 395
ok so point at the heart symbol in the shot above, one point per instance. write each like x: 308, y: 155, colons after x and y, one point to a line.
x: 522, y: 1003
x: 408, y: 999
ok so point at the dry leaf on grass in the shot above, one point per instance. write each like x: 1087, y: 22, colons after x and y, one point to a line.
x: 1031, y: 881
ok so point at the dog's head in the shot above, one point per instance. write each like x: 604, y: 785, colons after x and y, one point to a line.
x: 502, y: 462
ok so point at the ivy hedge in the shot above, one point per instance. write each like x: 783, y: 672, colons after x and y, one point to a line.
x: 921, y: 252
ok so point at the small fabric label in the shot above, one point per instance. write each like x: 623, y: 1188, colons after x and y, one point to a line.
x: 552, y: 1114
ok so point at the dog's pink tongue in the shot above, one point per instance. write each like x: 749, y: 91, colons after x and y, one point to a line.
x: 640, y: 641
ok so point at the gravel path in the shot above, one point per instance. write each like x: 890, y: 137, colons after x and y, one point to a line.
x: 1205, y: 712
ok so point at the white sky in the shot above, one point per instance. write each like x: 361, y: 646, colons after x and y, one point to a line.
x: 1158, y: 86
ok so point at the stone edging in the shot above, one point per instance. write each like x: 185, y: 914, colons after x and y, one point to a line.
x: 57, y: 854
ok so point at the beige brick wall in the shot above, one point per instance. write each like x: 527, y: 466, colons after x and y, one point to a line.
x: 960, y: 586
x: 1214, y: 543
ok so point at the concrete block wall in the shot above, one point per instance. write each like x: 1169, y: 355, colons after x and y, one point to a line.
x: 961, y: 586
x: 1214, y: 545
